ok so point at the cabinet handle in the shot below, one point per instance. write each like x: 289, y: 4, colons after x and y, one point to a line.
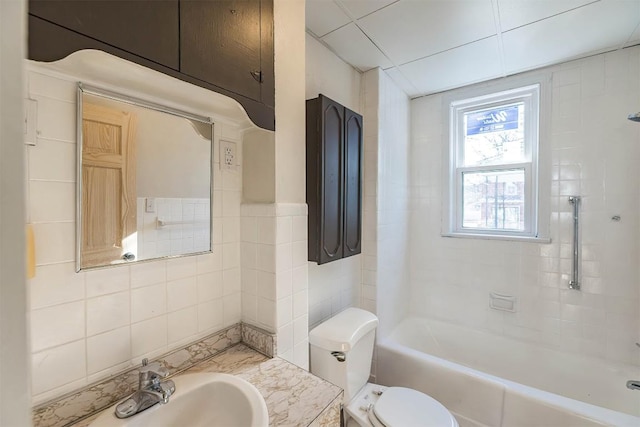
x: 257, y: 75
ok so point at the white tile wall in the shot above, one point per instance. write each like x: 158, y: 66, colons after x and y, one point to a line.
x: 385, y: 266
x: 108, y: 352
x: 56, y: 325
x: 274, y: 275
x: 107, y: 312
x: 60, y: 365
x: 148, y: 302
x: 595, y: 154
x: 148, y: 337
x: 393, y: 210
x: 371, y: 92
x: 336, y: 285
x: 333, y: 287
x: 88, y: 325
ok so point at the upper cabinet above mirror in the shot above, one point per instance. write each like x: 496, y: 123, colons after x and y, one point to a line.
x: 224, y: 45
x: 144, y: 180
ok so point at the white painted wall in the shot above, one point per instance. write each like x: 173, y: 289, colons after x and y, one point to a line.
x: 595, y: 154
x: 14, y: 365
x: 289, y: 48
x: 259, y: 173
x: 329, y: 75
x: 333, y: 286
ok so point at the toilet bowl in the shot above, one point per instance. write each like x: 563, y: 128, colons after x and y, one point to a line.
x: 341, y: 351
x: 379, y: 406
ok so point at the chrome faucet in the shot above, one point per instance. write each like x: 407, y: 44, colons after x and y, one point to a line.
x: 151, y: 390
x: 633, y: 385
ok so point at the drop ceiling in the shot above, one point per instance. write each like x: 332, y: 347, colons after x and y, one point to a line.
x: 429, y: 46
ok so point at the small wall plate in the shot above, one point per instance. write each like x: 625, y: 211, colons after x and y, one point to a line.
x: 228, y: 155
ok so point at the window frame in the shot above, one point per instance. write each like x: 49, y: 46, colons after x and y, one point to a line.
x: 534, y: 94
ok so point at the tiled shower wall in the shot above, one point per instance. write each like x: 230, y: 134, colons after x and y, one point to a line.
x: 274, y: 275
x: 594, y: 153
x: 88, y: 325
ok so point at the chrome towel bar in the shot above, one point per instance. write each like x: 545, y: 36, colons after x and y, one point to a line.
x: 574, y: 283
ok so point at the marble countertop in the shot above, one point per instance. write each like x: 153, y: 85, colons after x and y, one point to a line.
x: 294, y: 396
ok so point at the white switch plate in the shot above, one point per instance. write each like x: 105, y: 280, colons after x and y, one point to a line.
x: 150, y: 205
x: 228, y: 155
x: 30, y: 121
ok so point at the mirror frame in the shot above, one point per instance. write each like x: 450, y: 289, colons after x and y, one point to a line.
x: 96, y: 91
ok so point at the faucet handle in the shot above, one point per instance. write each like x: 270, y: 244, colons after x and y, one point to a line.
x: 154, y: 368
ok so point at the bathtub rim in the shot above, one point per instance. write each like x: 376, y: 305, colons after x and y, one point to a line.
x: 575, y: 407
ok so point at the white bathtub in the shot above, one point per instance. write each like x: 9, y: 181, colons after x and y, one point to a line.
x: 487, y: 380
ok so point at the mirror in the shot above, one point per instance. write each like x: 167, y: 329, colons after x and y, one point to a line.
x: 144, y: 180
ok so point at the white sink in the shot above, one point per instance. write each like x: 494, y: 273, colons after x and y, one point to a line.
x: 203, y: 399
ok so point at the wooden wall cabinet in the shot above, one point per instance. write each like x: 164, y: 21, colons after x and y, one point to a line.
x: 334, y: 180
x: 222, y: 45
x: 149, y: 29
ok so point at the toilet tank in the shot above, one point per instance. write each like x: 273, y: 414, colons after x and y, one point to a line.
x: 350, y: 333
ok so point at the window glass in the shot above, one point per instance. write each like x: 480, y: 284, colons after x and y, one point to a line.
x: 494, y: 200
x: 494, y: 171
x: 494, y: 136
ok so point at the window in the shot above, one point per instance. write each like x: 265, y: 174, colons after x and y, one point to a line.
x: 493, y: 158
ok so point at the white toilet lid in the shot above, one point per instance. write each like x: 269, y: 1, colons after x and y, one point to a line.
x: 404, y: 407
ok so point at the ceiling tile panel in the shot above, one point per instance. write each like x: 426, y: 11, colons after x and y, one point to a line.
x: 411, y: 29
x: 454, y: 68
x: 635, y: 37
x: 350, y: 44
x: 589, y: 29
x: 324, y: 16
x: 402, y: 81
x: 360, y: 8
x: 516, y: 13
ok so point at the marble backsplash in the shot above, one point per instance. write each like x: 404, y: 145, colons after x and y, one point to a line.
x: 84, y: 402
x: 259, y: 340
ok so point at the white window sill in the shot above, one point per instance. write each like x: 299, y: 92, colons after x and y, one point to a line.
x: 498, y: 237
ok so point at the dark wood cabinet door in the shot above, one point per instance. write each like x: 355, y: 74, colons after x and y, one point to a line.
x: 267, y: 65
x: 352, y: 183
x: 149, y: 29
x: 220, y: 44
x: 334, y: 181
x: 331, y: 180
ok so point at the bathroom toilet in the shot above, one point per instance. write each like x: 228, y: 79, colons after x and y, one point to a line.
x: 341, y: 352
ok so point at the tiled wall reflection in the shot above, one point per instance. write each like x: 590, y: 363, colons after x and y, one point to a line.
x: 175, y: 226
